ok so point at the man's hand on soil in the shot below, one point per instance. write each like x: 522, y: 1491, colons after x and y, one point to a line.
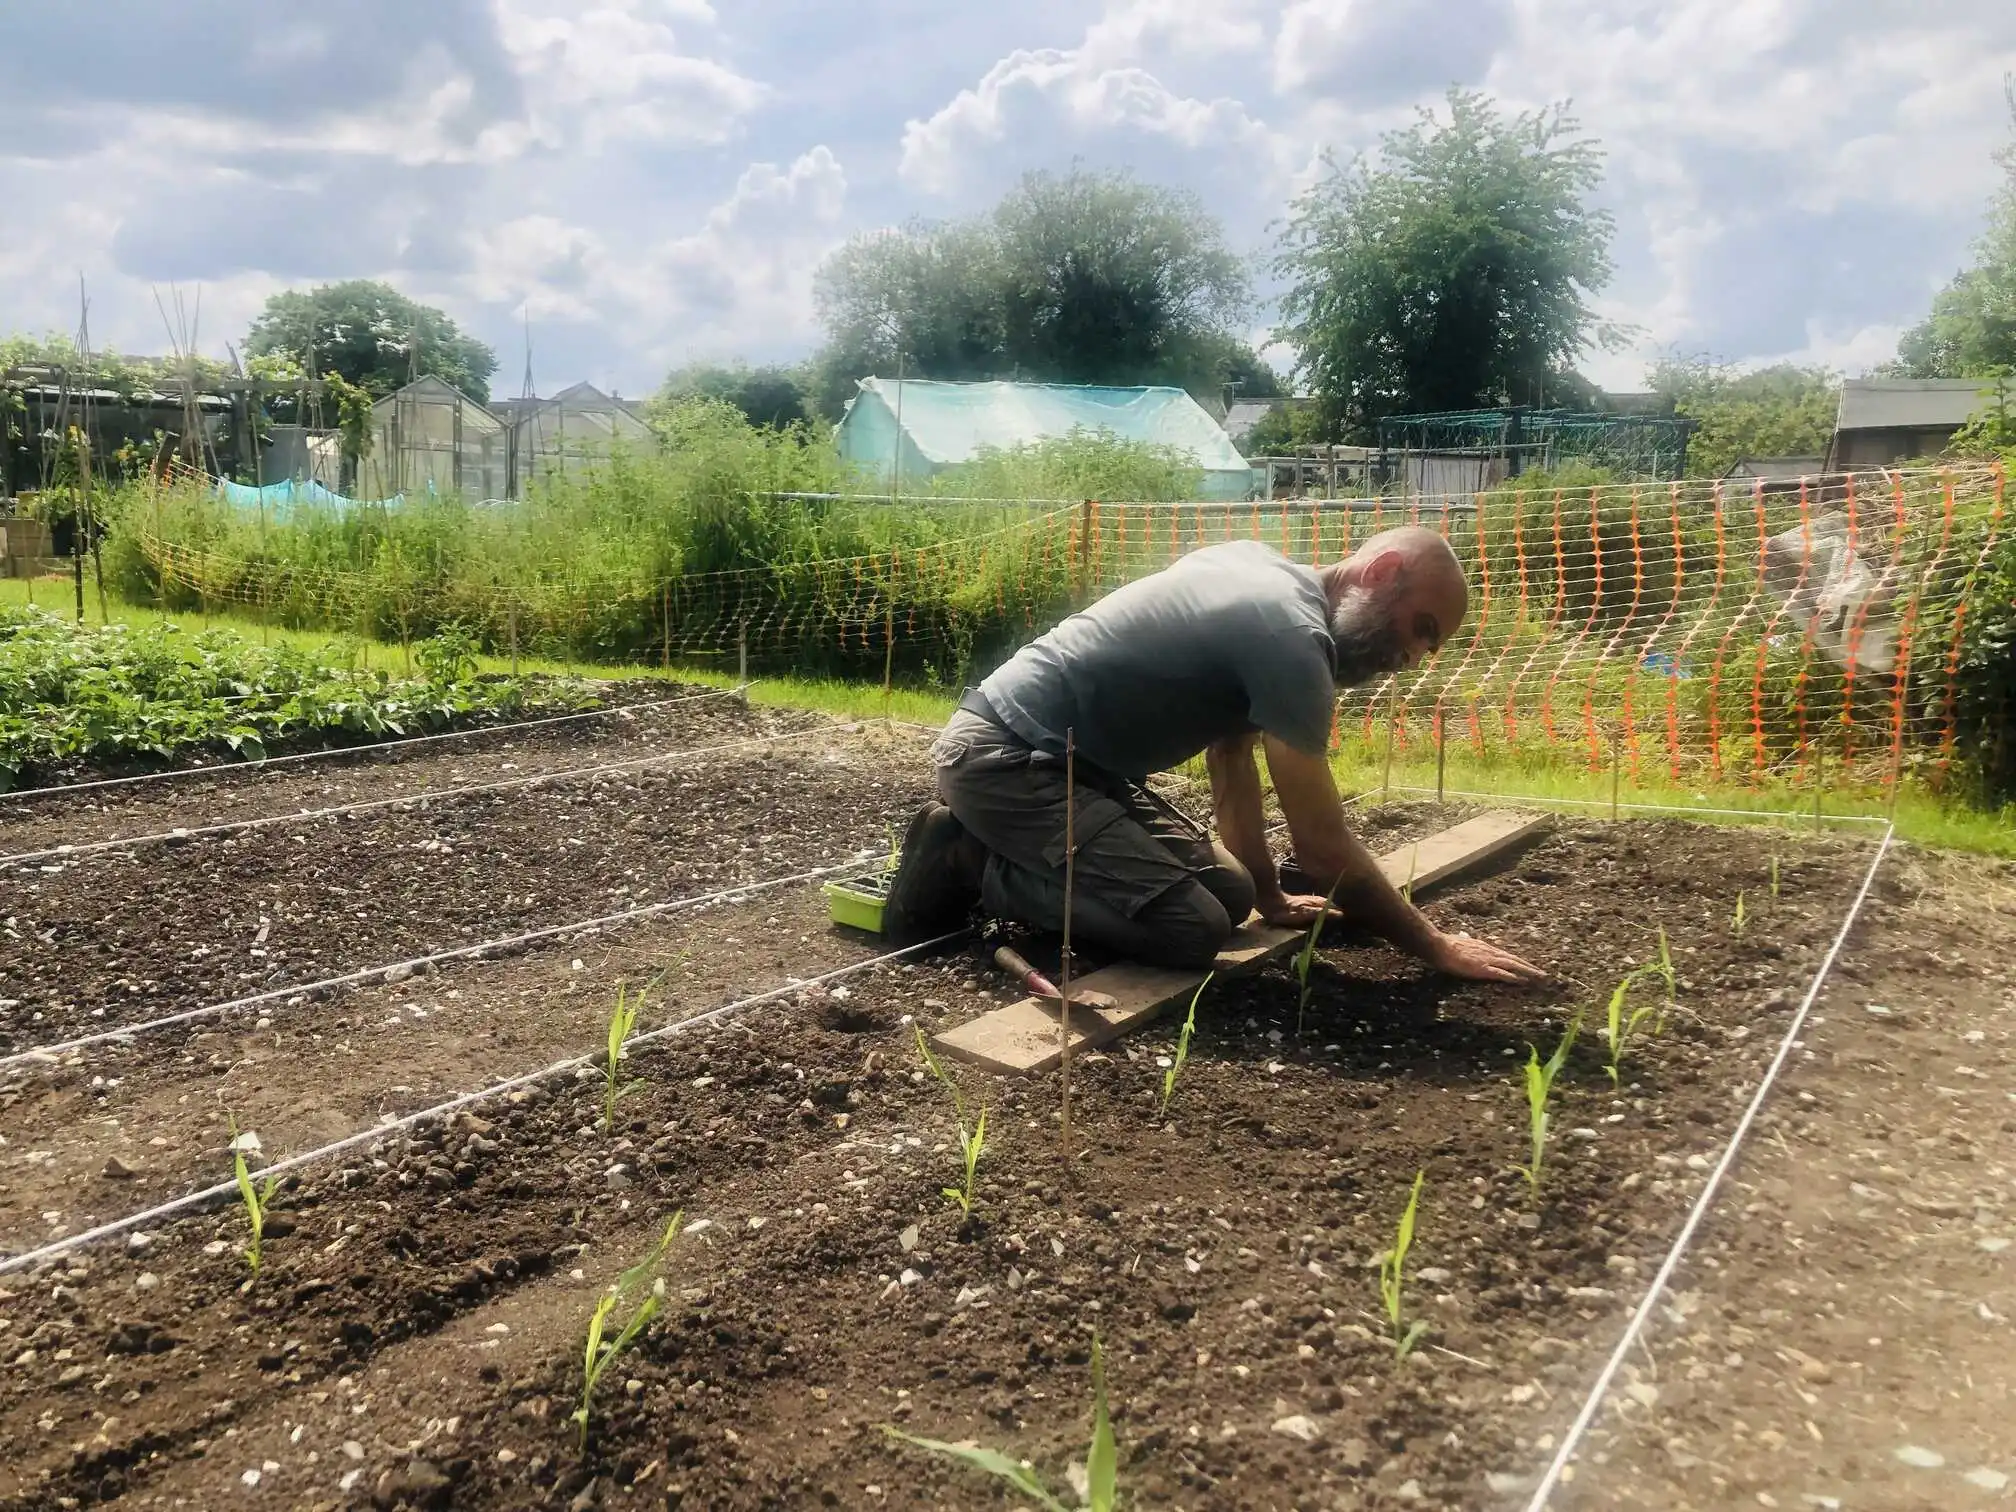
x: 1292, y: 910
x: 1479, y: 960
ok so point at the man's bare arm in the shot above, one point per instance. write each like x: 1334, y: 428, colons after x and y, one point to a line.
x: 1241, y: 816
x: 1329, y: 852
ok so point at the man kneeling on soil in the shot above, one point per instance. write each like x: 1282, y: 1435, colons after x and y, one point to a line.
x: 1233, y: 647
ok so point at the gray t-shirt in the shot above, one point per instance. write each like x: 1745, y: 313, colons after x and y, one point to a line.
x: 1230, y: 639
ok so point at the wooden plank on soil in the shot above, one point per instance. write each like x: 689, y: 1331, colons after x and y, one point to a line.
x: 1021, y: 1037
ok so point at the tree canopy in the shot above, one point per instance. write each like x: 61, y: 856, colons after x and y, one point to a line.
x: 772, y: 396
x: 371, y: 335
x: 1778, y: 411
x: 1971, y: 331
x: 1082, y: 277
x: 1452, y: 272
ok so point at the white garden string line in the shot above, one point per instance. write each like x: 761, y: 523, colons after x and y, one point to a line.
x: 253, y: 768
x: 1594, y: 1402
x: 45, y: 1054
x: 1794, y: 818
x: 64, y: 852
x: 440, y: 1110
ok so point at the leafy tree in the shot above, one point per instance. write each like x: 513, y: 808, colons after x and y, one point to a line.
x: 1778, y: 411
x: 926, y: 298
x: 1971, y: 332
x: 1107, y: 280
x: 372, y: 336
x: 1454, y: 272
x: 772, y: 396
x: 1081, y: 277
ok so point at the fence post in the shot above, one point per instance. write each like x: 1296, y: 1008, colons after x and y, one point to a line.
x: 1084, y: 553
x: 665, y: 608
x: 888, y: 657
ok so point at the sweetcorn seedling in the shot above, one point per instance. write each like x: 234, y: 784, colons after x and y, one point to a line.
x: 1393, y: 1278
x: 1102, y: 1459
x: 622, y: 1024
x: 1774, y: 875
x: 1663, y: 969
x: 1182, y: 1046
x: 972, y: 1142
x: 1539, y: 1088
x: 602, y: 1351
x: 255, y: 1195
x: 1742, y: 920
x: 1305, y: 958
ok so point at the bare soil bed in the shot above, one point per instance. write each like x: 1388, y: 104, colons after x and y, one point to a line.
x: 414, y: 1336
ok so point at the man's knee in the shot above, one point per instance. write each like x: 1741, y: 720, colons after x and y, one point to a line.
x: 1185, y: 928
x: 1231, y: 884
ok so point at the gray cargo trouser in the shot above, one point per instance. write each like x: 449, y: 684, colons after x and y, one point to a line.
x: 1148, y: 883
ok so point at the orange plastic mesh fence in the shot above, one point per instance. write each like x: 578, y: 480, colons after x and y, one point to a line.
x: 1803, y: 631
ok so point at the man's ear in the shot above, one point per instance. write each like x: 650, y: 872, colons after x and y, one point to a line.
x: 1384, y: 570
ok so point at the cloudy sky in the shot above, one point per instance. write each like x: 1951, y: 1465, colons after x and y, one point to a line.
x: 657, y: 179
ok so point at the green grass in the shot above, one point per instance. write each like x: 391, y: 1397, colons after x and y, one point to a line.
x: 1922, y: 818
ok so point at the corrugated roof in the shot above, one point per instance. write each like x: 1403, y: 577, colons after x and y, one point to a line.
x: 1909, y: 403
x: 1775, y: 468
x: 950, y: 423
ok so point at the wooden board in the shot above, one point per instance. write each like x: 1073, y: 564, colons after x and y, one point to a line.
x: 1021, y: 1037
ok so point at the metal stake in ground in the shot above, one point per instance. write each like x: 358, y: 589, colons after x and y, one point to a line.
x: 1392, y: 725
x: 1064, y: 982
x: 1441, y: 756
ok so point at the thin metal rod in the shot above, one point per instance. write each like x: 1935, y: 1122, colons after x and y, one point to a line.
x: 1064, y: 985
x: 1392, y: 724
x: 1706, y: 1200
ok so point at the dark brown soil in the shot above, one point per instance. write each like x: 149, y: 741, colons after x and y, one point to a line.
x: 414, y: 1335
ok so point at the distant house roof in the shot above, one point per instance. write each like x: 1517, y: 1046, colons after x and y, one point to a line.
x: 950, y: 423
x: 1777, y: 469
x: 577, y: 399
x: 1908, y: 403
x: 1245, y: 414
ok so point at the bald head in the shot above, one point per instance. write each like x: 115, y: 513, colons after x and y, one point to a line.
x: 1393, y: 601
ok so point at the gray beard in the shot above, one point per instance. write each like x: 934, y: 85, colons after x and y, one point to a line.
x: 1365, y: 644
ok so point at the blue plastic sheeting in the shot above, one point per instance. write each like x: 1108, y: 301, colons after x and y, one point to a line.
x: 278, y: 498
x: 945, y: 424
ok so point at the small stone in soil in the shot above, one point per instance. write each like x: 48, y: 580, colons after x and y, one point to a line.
x: 1920, y: 1459
x: 908, y: 1238
x: 1409, y: 1491
x: 117, y: 1170
x: 1297, y: 1426
x: 1986, y: 1479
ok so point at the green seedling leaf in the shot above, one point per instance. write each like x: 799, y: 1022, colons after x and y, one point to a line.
x: 1412, y: 1337
x: 991, y: 1462
x: 1102, y: 1458
x: 1305, y: 958
x: 600, y: 1352
x: 1622, y: 1026
x: 622, y: 1024
x: 1741, y: 921
x: 1393, y: 1274
x: 972, y: 1142
x: 255, y: 1196
x: 1539, y: 1087
x: 1774, y: 874
x: 1182, y: 1046
x: 1102, y: 1461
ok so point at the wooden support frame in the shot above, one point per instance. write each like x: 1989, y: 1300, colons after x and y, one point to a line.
x: 1021, y: 1038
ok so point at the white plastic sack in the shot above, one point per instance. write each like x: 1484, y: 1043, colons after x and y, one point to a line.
x: 1828, y: 591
